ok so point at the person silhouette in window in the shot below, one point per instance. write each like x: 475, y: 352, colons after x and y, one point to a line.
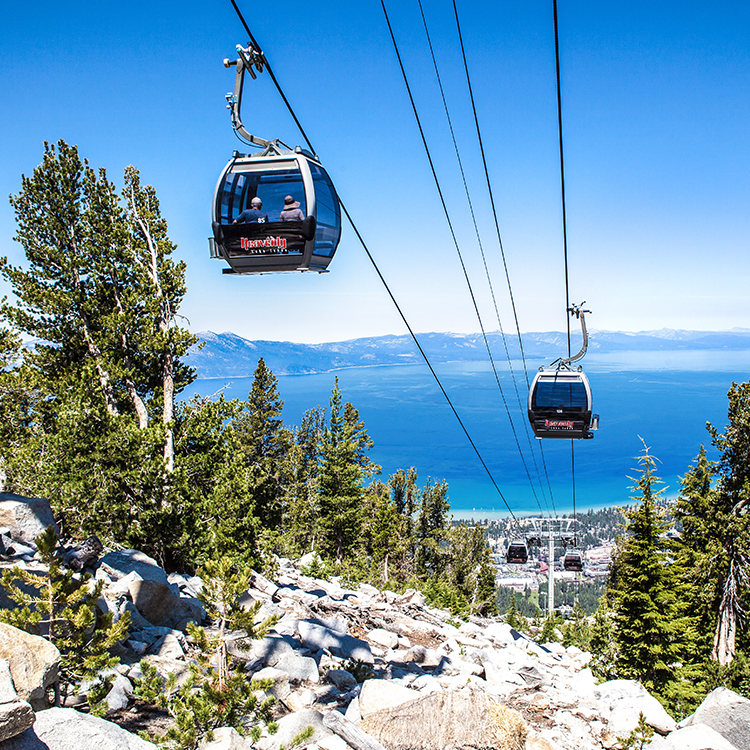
x: 253, y: 215
x: 291, y: 210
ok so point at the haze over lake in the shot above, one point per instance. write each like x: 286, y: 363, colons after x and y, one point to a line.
x: 664, y: 397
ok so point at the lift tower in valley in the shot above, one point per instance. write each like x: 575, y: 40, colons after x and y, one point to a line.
x: 548, y: 530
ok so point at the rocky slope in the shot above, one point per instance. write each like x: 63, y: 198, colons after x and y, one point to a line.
x: 366, y: 669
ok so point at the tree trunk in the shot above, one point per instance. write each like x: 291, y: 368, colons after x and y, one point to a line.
x: 102, y: 374
x: 168, y: 409
x: 350, y: 732
x: 726, y: 628
x: 339, y: 548
x: 140, y: 408
x: 162, y: 322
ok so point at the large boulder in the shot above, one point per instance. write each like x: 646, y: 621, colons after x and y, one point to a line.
x: 425, y: 657
x: 119, y: 564
x: 316, y: 637
x: 449, y: 720
x: 342, y: 679
x: 34, y: 664
x: 377, y: 695
x: 694, y: 737
x: 627, y: 699
x: 26, y: 517
x: 299, y: 668
x: 382, y: 637
x: 270, y: 650
x: 159, y: 605
x: 15, y: 715
x: 727, y: 713
x: 67, y: 729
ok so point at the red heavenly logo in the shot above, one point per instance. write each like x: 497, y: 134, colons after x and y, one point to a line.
x: 275, y: 242
x: 558, y: 423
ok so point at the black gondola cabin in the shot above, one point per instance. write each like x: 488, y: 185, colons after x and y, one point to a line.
x: 275, y: 245
x: 560, y: 405
x: 573, y: 560
x: 517, y: 553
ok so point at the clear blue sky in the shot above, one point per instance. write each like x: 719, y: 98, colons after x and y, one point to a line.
x: 656, y: 113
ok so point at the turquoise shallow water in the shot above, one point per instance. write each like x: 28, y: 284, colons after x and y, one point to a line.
x: 663, y: 398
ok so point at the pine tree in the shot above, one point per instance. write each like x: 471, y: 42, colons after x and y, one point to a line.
x: 576, y: 631
x: 215, y: 485
x: 551, y: 629
x: 101, y: 294
x: 385, y: 530
x: 713, y: 510
x: 406, y: 500
x: 604, y: 651
x: 650, y: 626
x: 266, y: 444
x: 469, y: 568
x: 344, y: 467
x: 431, y: 529
x: 302, y: 501
x: 215, y: 693
x: 512, y: 615
x: 63, y: 606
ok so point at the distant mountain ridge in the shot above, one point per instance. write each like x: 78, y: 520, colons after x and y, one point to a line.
x: 229, y: 355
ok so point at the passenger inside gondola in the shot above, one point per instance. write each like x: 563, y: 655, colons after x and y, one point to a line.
x: 270, y: 187
x: 291, y: 210
x: 254, y: 214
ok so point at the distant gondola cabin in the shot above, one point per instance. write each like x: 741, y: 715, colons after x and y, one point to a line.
x: 560, y: 404
x: 517, y: 553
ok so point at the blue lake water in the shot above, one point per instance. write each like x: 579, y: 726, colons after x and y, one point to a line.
x: 665, y: 398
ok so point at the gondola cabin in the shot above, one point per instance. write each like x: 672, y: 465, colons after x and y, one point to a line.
x: 271, y: 239
x: 517, y: 553
x: 573, y: 561
x: 560, y: 404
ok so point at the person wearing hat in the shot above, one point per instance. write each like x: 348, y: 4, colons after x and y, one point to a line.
x: 291, y: 210
x: 253, y: 215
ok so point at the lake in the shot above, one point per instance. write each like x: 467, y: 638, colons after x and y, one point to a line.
x: 662, y: 398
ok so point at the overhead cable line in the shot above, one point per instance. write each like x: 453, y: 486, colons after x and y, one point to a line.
x: 484, y: 261
x: 499, y: 239
x: 377, y: 270
x: 564, y: 222
x: 455, y: 240
x: 562, y: 171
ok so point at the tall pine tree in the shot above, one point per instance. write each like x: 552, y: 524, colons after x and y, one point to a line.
x: 649, y: 623
x: 266, y: 444
x: 713, y: 509
x: 344, y: 467
x: 100, y: 293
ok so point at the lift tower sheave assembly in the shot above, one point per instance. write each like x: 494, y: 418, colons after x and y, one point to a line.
x: 550, y: 529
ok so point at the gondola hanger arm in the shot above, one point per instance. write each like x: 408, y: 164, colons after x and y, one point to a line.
x: 578, y: 312
x: 252, y: 61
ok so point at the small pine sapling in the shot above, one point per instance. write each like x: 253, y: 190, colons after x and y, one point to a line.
x: 214, y: 694
x: 299, y: 739
x: 61, y: 606
x: 639, y: 737
x: 551, y: 629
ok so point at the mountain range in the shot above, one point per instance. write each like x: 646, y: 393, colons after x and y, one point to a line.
x: 229, y: 355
